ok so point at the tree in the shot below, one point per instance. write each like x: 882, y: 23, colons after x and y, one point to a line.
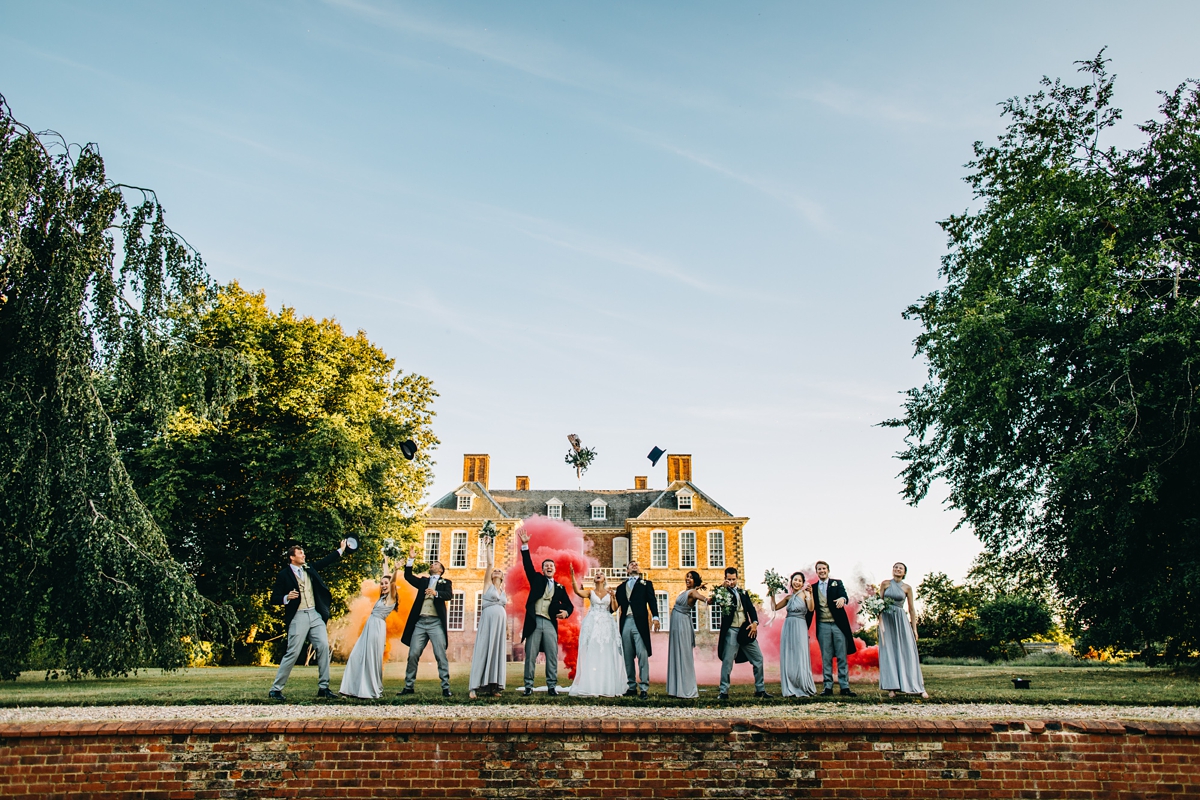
x: 1063, y: 360
x: 83, y: 567
x: 308, y: 453
x: 1011, y: 619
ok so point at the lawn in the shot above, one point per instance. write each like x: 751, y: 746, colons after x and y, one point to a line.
x: 1108, y: 685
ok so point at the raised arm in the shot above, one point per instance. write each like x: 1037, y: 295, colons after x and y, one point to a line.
x: 575, y: 584
x: 413, y: 580
x: 780, y: 603
x: 489, y: 554
x: 526, y: 559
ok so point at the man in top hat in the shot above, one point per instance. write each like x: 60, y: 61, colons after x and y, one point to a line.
x: 547, y: 604
x: 305, y: 600
x: 833, y: 628
x: 427, y: 623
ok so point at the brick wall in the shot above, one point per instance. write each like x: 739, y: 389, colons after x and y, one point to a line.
x: 595, y: 758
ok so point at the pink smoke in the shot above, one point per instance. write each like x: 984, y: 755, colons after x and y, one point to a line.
x: 565, y: 544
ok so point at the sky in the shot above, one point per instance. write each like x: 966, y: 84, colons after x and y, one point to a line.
x: 694, y: 225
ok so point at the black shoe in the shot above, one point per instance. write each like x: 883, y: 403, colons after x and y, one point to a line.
x: 527, y: 692
x: 762, y: 695
x: 552, y: 692
x: 723, y: 697
x: 642, y: 695
x: 847, y: 693
x: 827, y: 693
x: 325, y: 694
x: 404, y: 691
x: 631, y: 693
x: 276, y: 695
x: 447, y: 693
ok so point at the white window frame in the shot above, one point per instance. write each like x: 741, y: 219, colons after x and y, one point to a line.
x: 455, y: 607
x: 714, y: 618
x: 479, y: 605
x: 695, y: 616
x: 683, y: 537
x: 481, y: 556
x: 657, y: 537
x: 433, y: 546
x: 554, y: 508
x: 458, y: 538
x: 620, y: 562
x: 599, y: 510
x: 683, y: 500
x: 718, y: 536
x: 664, y: 610
x: 465, y: 500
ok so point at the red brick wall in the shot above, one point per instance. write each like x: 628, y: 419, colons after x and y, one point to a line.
x: 563, y: 758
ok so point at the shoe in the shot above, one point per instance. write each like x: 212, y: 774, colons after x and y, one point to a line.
x: 630, y: 693
x: 527, y: 692
x: 723, y: 697
x: 827, y: 693
x: 762, y: 695
x: 447, y: 693
x: 552, y: 692
x: 276, y: 695
x: 325, y: 694
x: 643, y: 695
x: 404, y: 691
x: 847, y: 693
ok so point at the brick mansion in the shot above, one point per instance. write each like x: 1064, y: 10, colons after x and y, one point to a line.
x: 668, y: 531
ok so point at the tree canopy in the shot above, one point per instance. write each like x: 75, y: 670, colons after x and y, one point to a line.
x: 1063, y: 354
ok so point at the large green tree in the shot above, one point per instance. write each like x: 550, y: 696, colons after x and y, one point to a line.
x: 94, y: 293
x: 308, y: 453
x: 1064, y: 360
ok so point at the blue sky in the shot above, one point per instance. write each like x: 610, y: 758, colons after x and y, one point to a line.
x: 685, y: 225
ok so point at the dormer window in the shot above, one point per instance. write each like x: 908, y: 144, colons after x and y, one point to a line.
x: 599, y: 510
x: 465, y: 499
x: 683, y: 500
x: 554, y: 508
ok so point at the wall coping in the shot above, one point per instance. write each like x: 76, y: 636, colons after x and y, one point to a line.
x: 827, y: 727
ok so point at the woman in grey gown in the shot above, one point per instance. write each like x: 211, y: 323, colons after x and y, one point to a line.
x: 795, y: 667
x: 364, y: 669
x: 899, y: 664
x: 490, y: 659
x: 681, y: 665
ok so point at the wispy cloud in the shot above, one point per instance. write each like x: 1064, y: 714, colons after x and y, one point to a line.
x: 866, y: 105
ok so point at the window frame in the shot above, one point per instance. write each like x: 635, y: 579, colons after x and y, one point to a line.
x: 663, y: 601
x: 479, y: 605
x: 714, y: 618
x: 602, y: 508
x: 683, y: 495
x: 459, y: 599
x: 695, y: 560
x: 721, y: 536
x: 655, y: 537
x: 437, y: 551
x: 466, y: 497
x: 457, y: 537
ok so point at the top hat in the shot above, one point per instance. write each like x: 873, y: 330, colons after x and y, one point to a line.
x: 409, y: 448
x: 655, y: 455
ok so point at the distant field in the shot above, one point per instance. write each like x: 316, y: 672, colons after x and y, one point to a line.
x: 1116, y: 685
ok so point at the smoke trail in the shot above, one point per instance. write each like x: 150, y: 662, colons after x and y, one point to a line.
x: 345, y: 630
x: 565, y: 544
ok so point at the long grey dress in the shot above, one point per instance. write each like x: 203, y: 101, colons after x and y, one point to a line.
x: 491, y: 651
x: 364, y: 669
x: 795, y: 667
x: 681, y: 665
x: 899, y: 664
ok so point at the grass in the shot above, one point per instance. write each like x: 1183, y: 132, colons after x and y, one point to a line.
x: 1093, y: 685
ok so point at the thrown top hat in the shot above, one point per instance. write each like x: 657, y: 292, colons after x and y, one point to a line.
x: 655, y: 455
x: 351, y: 543
x: 1020, y: 683
x: 409, y: 448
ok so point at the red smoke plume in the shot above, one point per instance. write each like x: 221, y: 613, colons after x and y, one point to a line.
x: 564, y: 543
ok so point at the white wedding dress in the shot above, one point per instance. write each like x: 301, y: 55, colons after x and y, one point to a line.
x: 600, y: 670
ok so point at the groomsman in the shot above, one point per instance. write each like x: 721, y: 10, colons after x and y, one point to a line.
x: 427, y: 623
x: 639, y: 615
x: 833, y: 628
x: 305, y: 600
x: 547, y: 604
x: 739, y: 638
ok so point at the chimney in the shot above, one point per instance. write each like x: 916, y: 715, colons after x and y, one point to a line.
x: 475, y: 468
x: 639, y: 481
x: 679, y: 468
x: 522, y: 483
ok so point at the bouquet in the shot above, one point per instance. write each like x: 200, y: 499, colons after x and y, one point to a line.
x: 873, y: 606
x: 723, y: 598
x: 774, y: 581
x: 390, y: 549
x: 487, y: 534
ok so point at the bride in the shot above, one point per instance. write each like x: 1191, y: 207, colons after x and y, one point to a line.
x: 600, y: 671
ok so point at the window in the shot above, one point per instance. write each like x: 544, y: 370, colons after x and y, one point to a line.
x: 683, y: 500
x: 664, y: 611
x: 687, y: 549
x: 478, y: 606
x: 716, y: 549
x: 658, y: 549
x: 458, y: 549
x: 714, y: 618
x: 465, y: 499
x: 695, y: 617
x: 599, y: 510
x: 454, y: 612
x: 481, y: 556
x: 620, y: 551
x: 433, y: 546
x: 554, y: 508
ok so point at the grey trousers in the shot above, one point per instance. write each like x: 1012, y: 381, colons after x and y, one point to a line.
x: 833, y: 644
x: 752, y: 653
x: 307, y: 626
x: 428, y: 630
x: 634, y: 647
x: 543, y: 639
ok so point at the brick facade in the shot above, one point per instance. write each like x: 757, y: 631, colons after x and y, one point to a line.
x: 596, y: 758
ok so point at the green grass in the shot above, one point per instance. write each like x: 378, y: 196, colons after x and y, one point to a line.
x: 1116, y: 685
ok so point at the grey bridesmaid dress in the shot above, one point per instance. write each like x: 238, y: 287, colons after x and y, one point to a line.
x: 681, y: 666
x: 488, y: 661
x: 364, y: 669
x: 795, y: 667
x: 899, y: 664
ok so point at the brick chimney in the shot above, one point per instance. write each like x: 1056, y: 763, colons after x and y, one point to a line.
x: 522, y: 483
x: 679, y: 468
x: 639, y: 481
x: 475, y: 468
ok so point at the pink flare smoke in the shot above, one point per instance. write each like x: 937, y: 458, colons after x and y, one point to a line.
x: 565, y: 544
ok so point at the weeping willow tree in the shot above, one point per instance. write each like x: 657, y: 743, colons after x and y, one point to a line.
x: 96, y: 296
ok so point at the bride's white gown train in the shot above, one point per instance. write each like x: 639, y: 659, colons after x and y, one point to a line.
x: 600, y: 671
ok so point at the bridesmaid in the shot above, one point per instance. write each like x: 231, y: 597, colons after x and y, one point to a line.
x: 364, y: 669
x: 489, y: 661
x: 899, y: 664
x: 681, y: 666
x: 795, y: 668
